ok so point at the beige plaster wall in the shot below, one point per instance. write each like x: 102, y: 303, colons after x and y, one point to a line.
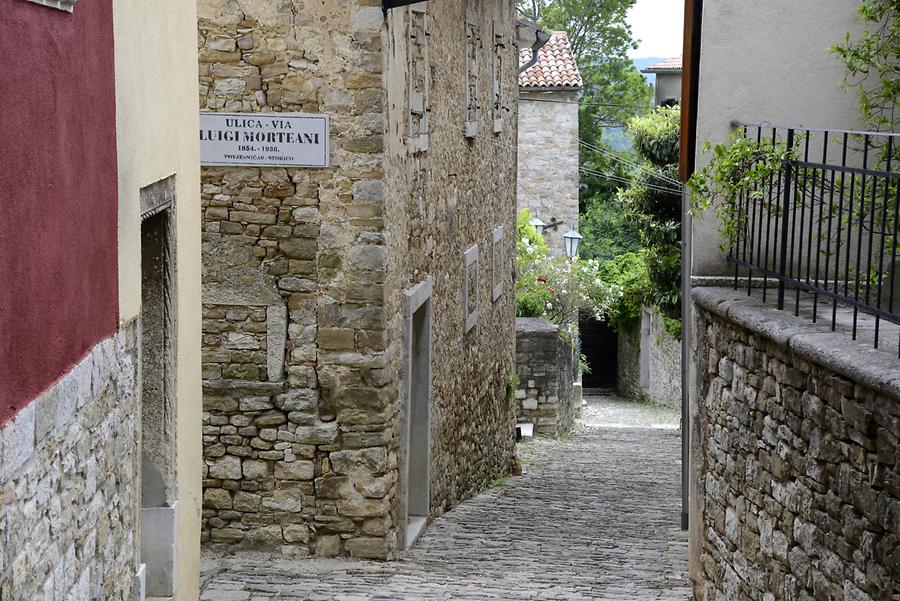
x: 157, y: 121
x: 768, y: 61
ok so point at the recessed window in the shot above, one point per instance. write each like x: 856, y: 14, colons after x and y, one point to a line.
x: 470, y: 287
x: 498, y: 260
x: 419, y: 78
x: 473, y: 49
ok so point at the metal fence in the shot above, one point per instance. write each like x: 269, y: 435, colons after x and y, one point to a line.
x: 825, y: 225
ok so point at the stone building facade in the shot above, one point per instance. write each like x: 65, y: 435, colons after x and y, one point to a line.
x: 548, y: 139
x: 545, y: 367
x: 99, y: 255
x: 358, y: 320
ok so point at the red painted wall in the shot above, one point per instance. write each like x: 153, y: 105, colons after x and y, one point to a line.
x: 58, y: 196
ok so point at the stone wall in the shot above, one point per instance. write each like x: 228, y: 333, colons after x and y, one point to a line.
x: 649, y: 362
x: 664, y: 362
x: 628, y: 363
x: 69, y: 468
x: 796, y: 462
x: 545, y: 366
x: 548, y: 161
x: 305, y: 269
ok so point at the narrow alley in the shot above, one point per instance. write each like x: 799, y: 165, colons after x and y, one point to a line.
x: 594, y: 516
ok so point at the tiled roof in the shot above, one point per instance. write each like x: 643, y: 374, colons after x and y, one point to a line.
x: 672, y: 65
x: 556, y: 67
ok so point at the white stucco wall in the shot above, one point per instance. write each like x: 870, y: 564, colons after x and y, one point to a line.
x: 668, y: 85
x: 157, y: 125
x: 768, y: 61
x: 548, y: 161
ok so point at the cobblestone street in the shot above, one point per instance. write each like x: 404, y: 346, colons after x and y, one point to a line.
x: 595, y: 516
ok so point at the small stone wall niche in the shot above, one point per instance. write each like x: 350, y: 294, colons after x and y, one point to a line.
x: 545, y: 365
x: 796, y: 459
x: 69, y: 482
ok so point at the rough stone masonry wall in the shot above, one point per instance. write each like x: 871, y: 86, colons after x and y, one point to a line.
x: 297, y: 400
x: 545, y: 395
x: 798, y: 473
x: 440, y: 202
x: 652, y: 345
x: 548, y: 161
x: 69, y: 490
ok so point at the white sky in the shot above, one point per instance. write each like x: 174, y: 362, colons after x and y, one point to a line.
x: 657, y: 25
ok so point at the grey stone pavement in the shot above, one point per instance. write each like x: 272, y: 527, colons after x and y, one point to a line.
x: 594, y: 516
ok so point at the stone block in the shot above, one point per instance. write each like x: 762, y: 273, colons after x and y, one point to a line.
x: 225, y: 468
x: 17, y: 440
x: 294, y: 470
x: 287, y: 500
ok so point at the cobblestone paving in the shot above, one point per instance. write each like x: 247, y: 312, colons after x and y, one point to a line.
x: 595, y: 516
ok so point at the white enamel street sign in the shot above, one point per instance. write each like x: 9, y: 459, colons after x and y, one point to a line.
x: 265, y: 139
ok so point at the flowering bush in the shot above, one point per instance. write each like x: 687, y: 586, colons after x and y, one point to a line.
x: 555, y: 288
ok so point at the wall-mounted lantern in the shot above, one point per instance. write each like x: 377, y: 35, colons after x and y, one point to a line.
x: 538, y: 224
x: 573, y: 241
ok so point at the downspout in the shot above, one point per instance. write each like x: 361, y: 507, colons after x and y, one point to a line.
x: 531, y: 35
x: 693, y: 13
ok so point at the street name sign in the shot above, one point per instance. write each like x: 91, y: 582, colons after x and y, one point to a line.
x: 265, y: 139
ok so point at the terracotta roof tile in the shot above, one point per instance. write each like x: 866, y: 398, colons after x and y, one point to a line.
x: 667, y: 66
x: 555, y: 68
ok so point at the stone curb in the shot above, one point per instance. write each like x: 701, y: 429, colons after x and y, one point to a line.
x: 815, y: 342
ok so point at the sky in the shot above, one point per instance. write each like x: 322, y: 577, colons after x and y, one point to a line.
x: 657, y: 25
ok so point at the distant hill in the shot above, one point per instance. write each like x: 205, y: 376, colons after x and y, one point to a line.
x: 643, y: 63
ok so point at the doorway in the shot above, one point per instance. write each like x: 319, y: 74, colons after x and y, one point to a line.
x: 158, y: 423
x: 415, y: 489
x: 599, y: 343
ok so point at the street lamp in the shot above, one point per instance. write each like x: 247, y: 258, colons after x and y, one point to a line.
x: 538, y: 224
x: 573, y: 241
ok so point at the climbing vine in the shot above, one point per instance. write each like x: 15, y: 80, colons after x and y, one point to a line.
x: 872, y: 62
x: 739, y: 169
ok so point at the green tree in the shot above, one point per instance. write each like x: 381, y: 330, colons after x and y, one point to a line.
x: 653, y: 202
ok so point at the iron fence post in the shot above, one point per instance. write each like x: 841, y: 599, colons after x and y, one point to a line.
x: 785, y: 211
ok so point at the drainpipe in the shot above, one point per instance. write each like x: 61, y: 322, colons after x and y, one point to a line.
x: 531, y: 36
x: 693, y: 11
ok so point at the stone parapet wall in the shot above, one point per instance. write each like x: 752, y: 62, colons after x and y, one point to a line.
x: 795, y: 458
x: 69, y: 491
x: 545, y: 366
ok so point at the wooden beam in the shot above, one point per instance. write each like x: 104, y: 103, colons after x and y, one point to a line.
x: 690, y: 80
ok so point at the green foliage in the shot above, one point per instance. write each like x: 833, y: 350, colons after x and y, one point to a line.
x: 653, y: 204
x: 741, y: 167
x: 873, y: 62
x: 607, y: 231
x: 656, y: 136
x: 555, y: 288
x: 628, y: 271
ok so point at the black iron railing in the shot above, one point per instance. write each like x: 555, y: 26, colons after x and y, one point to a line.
x: 825, y: 226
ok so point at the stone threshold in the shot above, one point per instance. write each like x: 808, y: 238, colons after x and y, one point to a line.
x: 857, y: 360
